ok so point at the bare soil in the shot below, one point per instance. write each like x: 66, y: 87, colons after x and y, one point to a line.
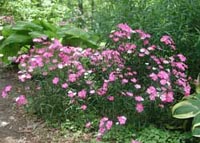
x: 16, y: 126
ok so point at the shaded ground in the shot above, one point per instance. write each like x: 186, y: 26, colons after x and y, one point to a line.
x: 18, y: 127
x: 13, y: 124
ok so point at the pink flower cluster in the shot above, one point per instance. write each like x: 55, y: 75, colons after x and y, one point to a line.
x: 104, y: 125
x: 6, y: 91
x: 136, y: 73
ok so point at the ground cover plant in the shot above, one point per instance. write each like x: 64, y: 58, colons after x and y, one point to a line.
x: 102, y: 89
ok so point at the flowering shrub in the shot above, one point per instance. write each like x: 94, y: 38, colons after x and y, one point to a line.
x: 115, y: 82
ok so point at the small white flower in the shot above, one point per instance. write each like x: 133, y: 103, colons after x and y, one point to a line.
x: 129, y: 52
x: 1, y: 37
x: 142, y: 50
x: 60, y: 66
x: 92, y: 91
x: 154, y: 68
x: 86, y: 74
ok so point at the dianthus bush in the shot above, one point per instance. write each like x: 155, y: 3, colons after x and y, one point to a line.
x: 113, y: 83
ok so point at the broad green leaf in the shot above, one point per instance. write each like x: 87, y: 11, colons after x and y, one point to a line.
x: 27, y: 26
x: 9, y: 51
x: 196, y: 121
x: 16, y: 38
x: 186, y: 109
x: 51, y: 34
x: 36, y: 34
x: 7, y: 31
x: 48, y: 26
x: 196, y: 132
x: 196, y: 126
x: 77, y: 41
x: 198, y: 84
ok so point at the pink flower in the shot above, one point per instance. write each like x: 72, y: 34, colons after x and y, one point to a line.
x: 134, y: 141
x: 55, y: 80
x: 167, y: 40
x: 88, y: 125
x: 187, y: 90
x: 182, y: 57
x: 133, y: 80
x: 21, y: 100
x: 142, y: 34
x: 109, y: 125
x: 8, y: 88
x: 82, y: 94
x: 152, y: 92
x: 104, y: 125
x: 71, y: 94
x: 139, y: 107
x: 112, y: 77
x: 124, y: 81
x: 163, y: 81
x: 129, y: 94
x: 139, y: 98
x: 122, y: 120
x: 72, y: 77
x: 83, y: 107
x: 4, y: 94
x: 64, y: 85
x: 163, y: 75
x: 167, y: 97
x: 110, y: 98
x: 181, y: 66
x: 153, y: 76
x: 125, y: 27
x: 146, y: 42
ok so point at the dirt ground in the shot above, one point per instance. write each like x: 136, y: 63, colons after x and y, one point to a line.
x: 16, y: 126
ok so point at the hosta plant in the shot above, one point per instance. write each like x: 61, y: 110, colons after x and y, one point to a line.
x: 189, y: 107
x: 18, y: 38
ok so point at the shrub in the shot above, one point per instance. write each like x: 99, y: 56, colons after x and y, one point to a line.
x: 114, y: 84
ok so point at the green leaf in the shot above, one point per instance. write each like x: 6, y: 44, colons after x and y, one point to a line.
x: 196, y: 126
x: 77, y: 37
x: 186, y: 109
x: 47, y: 26
x: 16, y: 38
x: 7, y: 31
x: 198, y: 84
x: 36, y: 34
x: 27, y: 26
x: 9, y: 51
